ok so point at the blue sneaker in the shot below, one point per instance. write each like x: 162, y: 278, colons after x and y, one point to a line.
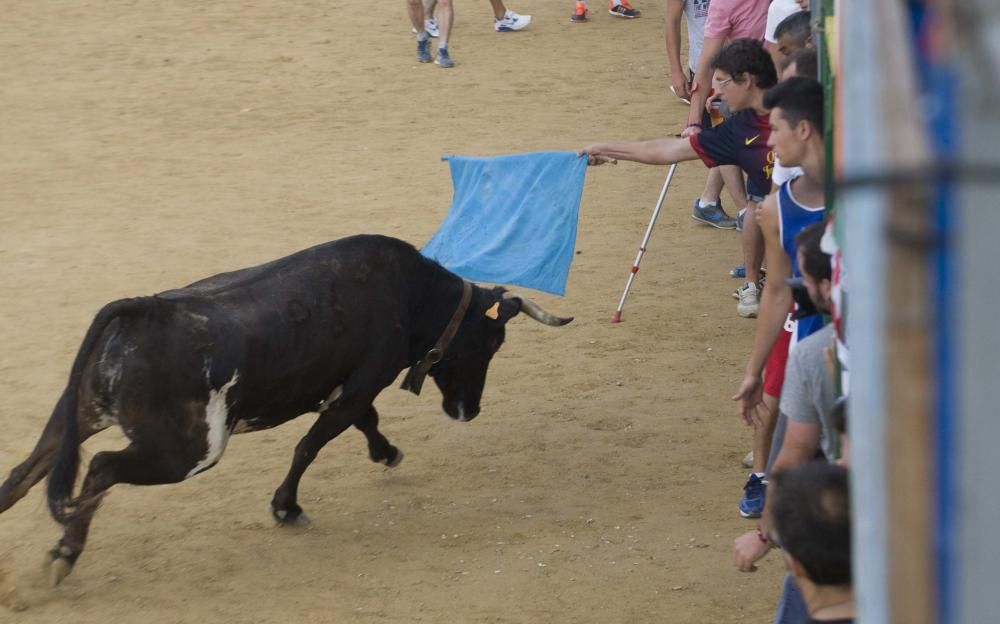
x: 443, y: 59
x: 752, y: 503
x: 424, y: 51
x: 713, y: 215
x: 739, y: 271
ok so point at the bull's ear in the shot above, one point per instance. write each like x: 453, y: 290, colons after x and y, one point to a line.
x: 506, y: 309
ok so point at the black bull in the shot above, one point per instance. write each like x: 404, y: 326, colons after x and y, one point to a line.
x: 323, y: 330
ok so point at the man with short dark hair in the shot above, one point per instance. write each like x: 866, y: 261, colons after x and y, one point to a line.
x: 793, y: 33
x: 743, y: 72
x: 807, y: 394
x: 797, y: 136
x: 802, y: 63
x: 727, y: 21
x: 812, y: 526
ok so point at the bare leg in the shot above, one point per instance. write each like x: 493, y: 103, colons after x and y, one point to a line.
x: 733, y: 177
x: 499, y: 10
x: 415, y: 9
x: 753, y: 244
x: 445, y: 18
x: 762, y: 434
x: 429, y: 6
x: 713, y: 186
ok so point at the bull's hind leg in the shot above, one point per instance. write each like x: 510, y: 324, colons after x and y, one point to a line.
x: 107, y: 468
x: 379, y: 448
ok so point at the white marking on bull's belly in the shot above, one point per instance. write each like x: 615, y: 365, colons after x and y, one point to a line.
x: 461, y: 412
x: 216, y: 414
x: 336, y: 394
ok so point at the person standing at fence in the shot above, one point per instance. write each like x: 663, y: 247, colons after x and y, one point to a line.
x: 743, y: 72
x: 707, y: 208
x: 797, y: 136
x: 695, y: 12
x: 727, y: 20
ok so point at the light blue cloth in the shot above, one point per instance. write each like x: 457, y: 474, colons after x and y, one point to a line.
x: 512, y: 219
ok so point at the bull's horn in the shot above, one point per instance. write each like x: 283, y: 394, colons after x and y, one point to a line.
x: 535, y: 311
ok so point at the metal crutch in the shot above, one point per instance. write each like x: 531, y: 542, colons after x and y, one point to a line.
x: 617, y: 318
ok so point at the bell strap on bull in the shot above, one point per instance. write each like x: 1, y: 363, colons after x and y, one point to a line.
x: 414, y: 379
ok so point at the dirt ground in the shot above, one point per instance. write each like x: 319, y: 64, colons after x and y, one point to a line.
x: 146, y: 145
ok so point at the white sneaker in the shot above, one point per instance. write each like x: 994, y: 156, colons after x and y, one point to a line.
x: 749, y: 302
x: 430, y: 25
x: 511, y: 21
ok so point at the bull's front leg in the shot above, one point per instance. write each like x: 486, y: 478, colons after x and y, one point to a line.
x: 331, y: 423
x: 379, y: 448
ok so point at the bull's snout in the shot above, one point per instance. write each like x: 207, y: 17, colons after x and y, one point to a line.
x: 458, y: 410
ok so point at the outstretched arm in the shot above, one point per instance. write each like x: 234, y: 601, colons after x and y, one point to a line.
x: 665, y: 151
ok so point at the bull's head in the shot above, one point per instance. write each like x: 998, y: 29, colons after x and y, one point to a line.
x: 461, y: 372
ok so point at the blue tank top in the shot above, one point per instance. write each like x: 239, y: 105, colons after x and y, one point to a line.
x: 793, y: 217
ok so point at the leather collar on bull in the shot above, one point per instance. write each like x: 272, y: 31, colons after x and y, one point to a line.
x: 414, y: 379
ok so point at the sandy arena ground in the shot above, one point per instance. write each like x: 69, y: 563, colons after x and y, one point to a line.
x: 149, y: 144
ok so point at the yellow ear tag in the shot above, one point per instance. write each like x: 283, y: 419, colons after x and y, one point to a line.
x: 494, y: 311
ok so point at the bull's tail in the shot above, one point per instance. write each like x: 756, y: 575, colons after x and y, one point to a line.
x: 67, y: 460
x: 32, y: 470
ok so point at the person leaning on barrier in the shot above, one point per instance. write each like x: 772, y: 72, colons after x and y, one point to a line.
x: 743, y: 72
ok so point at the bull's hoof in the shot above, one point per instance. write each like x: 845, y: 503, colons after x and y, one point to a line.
x: 294, y: 517
x: 60, y: 563
x: 394, y: 460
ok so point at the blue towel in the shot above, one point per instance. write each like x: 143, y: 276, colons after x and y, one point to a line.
x: 512, y: 219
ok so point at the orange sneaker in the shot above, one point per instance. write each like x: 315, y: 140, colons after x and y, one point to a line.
x: 623, y: 10
x: 580, y: 13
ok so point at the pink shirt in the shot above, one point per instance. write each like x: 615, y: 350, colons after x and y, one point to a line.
x: 735, y: 19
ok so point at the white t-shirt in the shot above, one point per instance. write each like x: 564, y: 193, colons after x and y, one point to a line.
x: 781, y: 174
x: 776, y: 13
x: 695, y: 14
